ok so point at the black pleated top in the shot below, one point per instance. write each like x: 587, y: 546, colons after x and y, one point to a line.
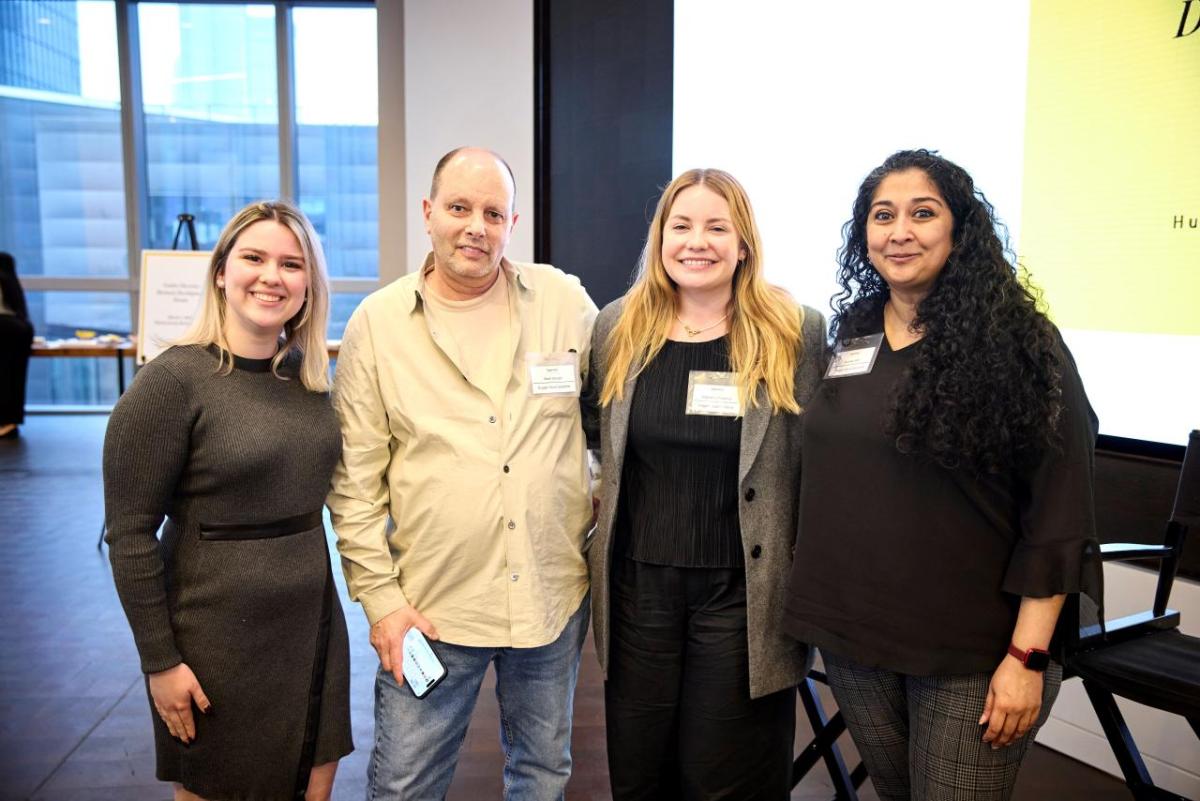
x: 679, y: 502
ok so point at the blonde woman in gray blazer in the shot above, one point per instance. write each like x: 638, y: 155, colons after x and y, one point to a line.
x: 698, y: 382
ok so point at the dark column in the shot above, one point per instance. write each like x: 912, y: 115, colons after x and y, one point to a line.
x: 603, y: 75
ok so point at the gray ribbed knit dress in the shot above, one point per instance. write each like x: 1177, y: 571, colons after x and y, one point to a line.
x: 240, y: 587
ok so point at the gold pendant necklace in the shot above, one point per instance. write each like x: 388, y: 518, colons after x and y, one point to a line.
x: 691, y: 332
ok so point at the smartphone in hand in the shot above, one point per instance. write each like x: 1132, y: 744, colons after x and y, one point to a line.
x: 422, y: 669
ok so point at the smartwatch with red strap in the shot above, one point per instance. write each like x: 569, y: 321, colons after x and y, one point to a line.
x: 1034, y: 659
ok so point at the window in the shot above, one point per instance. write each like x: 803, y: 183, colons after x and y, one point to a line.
x: 337, y: 132
x: 211, y: 105
x: 76, y: 381
x: 209, y: 95
x: 341, y: 306
x: 62, y: 197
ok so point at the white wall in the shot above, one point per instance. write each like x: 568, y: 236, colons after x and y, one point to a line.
x: 801, y: 100
x: 467, y: 80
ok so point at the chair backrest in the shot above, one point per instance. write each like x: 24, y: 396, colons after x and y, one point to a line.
x: 1187, y: 497
x: 1185, y: 515
x: 1079, y: 615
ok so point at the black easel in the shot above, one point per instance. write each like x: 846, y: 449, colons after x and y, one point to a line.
x: 188, y: 220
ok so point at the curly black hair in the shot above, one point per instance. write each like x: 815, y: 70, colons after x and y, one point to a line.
x: 984, y: 390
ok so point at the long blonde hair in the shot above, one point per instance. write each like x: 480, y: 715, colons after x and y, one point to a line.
x: 764, y: 323
x: 304, y: 334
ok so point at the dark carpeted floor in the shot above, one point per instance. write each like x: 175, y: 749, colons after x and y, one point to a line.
x: 74, y: 721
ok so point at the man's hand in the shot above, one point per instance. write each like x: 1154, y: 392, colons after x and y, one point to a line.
x: 1013, y: 701
x: 387, y: 637
x: 173, y: 691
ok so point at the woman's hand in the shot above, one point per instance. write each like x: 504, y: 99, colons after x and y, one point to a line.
x: 1014, y: 700
x: 173, y: 691
x: 1014, y: 697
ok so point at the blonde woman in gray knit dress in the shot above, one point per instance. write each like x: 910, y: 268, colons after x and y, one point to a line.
x: 229, y: 435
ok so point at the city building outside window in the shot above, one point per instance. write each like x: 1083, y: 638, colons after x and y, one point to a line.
x: 210, y: 100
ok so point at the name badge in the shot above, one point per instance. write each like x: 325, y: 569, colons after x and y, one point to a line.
x: 856, y: 357
x: 553, y: 374
x: 713, y: 393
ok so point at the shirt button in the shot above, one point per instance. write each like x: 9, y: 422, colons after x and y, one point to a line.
x: 505, y: 468
x: 750, y: 494
x: 515, y: 576
x: 756, y: 552
x: 492, y: 419
x: 511, y: 525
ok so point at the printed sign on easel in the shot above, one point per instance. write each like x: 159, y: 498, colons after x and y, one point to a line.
x: 172, y: 289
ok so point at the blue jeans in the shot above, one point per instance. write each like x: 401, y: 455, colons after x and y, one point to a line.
x: 417, y: 740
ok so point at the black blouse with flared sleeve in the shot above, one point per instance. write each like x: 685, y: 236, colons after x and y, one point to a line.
x: 906, y: 565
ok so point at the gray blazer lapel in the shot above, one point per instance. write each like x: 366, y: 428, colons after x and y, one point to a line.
x: 754, y: 427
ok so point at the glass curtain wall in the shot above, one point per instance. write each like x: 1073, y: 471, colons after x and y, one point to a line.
x: 337, y: 120
x: 210, y: 100
x: 211, y: 104
x: 62, y: 208
x: 62, y: 192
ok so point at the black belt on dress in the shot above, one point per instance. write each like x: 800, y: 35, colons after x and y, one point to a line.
x: 261, y: 531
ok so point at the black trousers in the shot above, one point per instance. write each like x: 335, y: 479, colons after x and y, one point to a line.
x: 681, y: 724
x: 16, y: 337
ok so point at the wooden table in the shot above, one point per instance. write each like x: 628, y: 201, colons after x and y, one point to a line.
x: 82, y: 349
x: 75, y: 348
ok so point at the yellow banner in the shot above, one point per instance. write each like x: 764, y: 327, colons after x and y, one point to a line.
x: 1110, y: 225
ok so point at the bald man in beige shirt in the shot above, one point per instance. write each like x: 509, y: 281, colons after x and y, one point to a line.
x: 462, y: 500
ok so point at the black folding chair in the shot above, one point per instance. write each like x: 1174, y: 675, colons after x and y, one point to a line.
x: 1144, y: 657
x: 823, y: 745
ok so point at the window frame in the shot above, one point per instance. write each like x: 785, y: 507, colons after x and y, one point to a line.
x: 133, y: 145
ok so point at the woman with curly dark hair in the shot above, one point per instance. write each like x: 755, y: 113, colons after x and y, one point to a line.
x: 946, y: 505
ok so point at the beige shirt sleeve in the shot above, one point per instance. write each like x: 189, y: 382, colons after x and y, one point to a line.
x: 359, y: 499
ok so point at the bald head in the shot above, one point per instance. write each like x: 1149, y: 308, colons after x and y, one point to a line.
x: 472, y: 156
x: 469, y: 218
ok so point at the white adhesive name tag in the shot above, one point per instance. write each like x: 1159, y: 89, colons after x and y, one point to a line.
x: 422, y: 669
x: 713, y: 393
x: 856, y: 357
x: 553, y: 374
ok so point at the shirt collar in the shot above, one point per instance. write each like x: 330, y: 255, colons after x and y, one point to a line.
x: 512, y: 273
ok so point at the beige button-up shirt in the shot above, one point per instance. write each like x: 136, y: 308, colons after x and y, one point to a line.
x: 475, y: 513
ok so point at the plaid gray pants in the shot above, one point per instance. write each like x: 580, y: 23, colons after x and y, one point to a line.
x: 919, y: 736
